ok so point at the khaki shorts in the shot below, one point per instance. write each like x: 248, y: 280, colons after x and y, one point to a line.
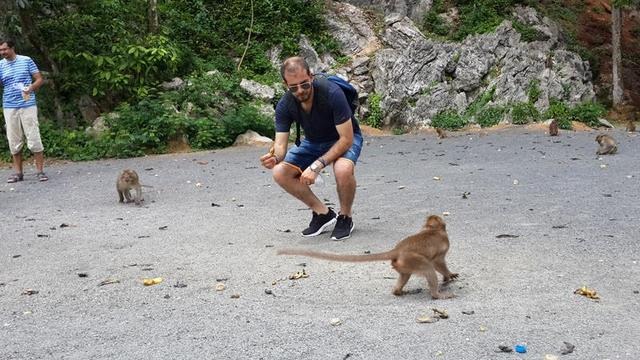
x: 23, y: 122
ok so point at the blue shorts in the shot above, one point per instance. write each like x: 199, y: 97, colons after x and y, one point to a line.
x: 304, y: 155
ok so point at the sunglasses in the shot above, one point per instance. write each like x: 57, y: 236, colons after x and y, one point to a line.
x: 304, y: 86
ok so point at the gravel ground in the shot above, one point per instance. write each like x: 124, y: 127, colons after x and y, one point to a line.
x: 531, y: 219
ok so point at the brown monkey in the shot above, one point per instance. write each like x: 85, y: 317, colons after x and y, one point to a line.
x: 128, y: 180
x: 422, y: 254
x: 607, y: 145
x: 553, y: 128
x: 631, y: 126
x: 441, y: 133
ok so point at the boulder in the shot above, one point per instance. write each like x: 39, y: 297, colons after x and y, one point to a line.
x: 252, y: 138
x: 175, y: 84
x: 257, y: 90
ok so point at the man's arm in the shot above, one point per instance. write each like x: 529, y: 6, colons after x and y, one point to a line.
x: 280, y: 145
x: 345, y: 130
x: 37, y: 83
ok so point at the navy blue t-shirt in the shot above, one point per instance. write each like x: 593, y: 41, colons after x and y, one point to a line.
x: 320, y: 124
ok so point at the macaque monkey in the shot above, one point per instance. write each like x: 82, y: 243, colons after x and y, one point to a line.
x: 607, y: 145
x: 128, y: 180
x: 422, y: 254
x: 553, y: 128
x: 441, y: 133
x: 631, y: 126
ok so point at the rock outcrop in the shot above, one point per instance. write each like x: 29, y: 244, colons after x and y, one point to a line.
x: 417, y: 77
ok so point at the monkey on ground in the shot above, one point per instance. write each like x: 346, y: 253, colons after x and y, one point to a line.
x: 422, y: 254
x: 607, y: 145
x: 631, y: 126
x: 128, y: 180
x: 553, y: 128
x: 441, y: 133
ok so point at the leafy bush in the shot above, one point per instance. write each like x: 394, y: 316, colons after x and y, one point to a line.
x: 490, y: 116
x: 533, y: 91
x: 246, y: 118
x: 560, y: 111
x: 524, y: 113
x: 374, y: 118
x: 480, y: 102
x: 527, y: 32
x: 208, y: 134
x: 449, y: 119
x: 69, y: 144
x: 478, y: 17
x: 588, y: 113
x: 433, y: 22
x: 210, y: 111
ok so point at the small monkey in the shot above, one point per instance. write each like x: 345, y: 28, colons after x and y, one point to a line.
x: 553, y: 128
x: 128, y: 180
x: 441, y: 133
x: 607, y: 145
x: 422, y: 253
x: 631, y: 126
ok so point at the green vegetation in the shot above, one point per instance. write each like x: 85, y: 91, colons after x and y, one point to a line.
x: 588, y: 113
x: 399, y: 131
x: 560, y: 111
x: 480, y: 102
x: 475, y: 17
x: 449, y: 119
x: 527, y: 33
x: 374, y: 118
x: 533, y: 91
x: 524, y: 113
x: 490, y: 116
x: 105, y: 50
x: 433, y: 23
x: 209, y: 112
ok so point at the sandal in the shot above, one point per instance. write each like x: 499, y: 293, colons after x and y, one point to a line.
x: 15, y: 178
x: 42, y: 176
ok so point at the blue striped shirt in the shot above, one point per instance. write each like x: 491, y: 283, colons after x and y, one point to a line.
x: 16, y: 75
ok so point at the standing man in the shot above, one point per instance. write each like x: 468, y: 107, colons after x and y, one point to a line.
x: 20, y: 78
x: 332, y: 136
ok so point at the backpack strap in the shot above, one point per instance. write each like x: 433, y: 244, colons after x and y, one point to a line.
x: 294, y: 113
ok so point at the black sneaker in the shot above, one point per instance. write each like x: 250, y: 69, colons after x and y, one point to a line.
x: 319, y: 223
x: 343, y: 228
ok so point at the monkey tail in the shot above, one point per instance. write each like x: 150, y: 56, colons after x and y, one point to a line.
x: 388, y: 255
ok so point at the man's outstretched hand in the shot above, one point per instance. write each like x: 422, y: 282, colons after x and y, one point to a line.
x: 268, y: 160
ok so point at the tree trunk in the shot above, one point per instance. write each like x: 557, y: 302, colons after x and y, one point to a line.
x: 616, y: 28
x: 30, y: 30
x: 152, y: 14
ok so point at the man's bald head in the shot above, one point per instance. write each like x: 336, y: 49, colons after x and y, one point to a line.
x: 294, y: 65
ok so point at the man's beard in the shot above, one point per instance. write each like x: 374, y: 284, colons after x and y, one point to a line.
x: 304, y: 97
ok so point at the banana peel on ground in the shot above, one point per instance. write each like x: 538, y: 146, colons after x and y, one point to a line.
x: 152, y: 281
x: 590, y: 293
x: 298, y: 275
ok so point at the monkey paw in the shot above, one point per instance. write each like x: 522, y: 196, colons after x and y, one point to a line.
x: 398, y: 292
x: 450, y: 277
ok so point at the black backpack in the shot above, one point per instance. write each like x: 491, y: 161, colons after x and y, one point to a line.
x: 349, y: 91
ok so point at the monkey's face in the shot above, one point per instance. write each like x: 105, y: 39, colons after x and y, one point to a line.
x: 129, y: 177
